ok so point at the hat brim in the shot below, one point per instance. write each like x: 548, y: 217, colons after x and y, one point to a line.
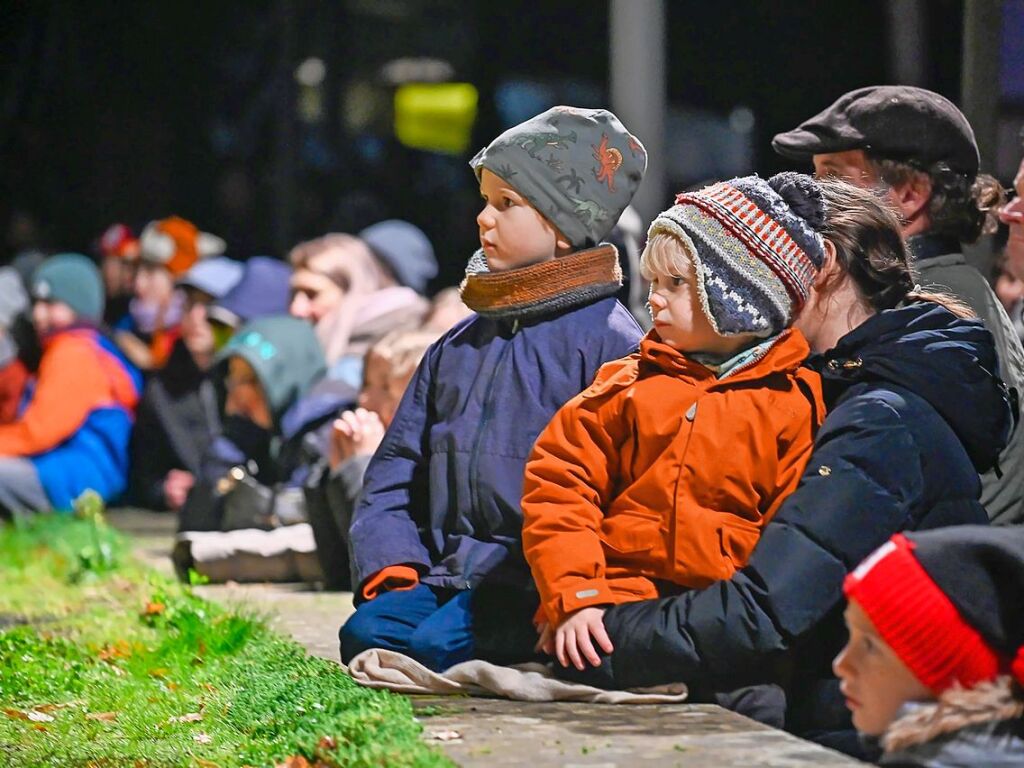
x: 802, y: 144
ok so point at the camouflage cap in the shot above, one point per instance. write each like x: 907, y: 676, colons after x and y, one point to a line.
x: 578, y: 167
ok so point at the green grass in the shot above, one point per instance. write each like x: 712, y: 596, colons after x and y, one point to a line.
x: 105, y: 664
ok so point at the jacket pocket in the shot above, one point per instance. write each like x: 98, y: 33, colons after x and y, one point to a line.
x: 737, y: 539
x: 631, y: 538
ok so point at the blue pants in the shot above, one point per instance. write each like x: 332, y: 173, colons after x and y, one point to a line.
x: 432, y: 625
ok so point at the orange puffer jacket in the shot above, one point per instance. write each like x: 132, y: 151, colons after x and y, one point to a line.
x: 662, y: 474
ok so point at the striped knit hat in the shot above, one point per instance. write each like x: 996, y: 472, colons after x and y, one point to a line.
x: 755, y: 248
x: 948, y: 602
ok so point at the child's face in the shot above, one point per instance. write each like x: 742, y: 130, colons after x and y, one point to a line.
x: 875, y: 682
x: 680, y: 320
x: 512, y: 232
x: 153, y: 284
x: 245, y: 394
x: 381, y: 391
x: 48, y: 316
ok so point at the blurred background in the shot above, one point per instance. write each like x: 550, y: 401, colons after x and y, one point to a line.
x: 271, y: 121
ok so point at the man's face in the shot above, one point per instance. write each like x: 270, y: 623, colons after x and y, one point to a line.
x: 1012, y: 214
x: 852, y: 166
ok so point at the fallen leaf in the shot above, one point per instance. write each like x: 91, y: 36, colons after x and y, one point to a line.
x: 205, y: 763
x: 326, y: 742
x: 15, y: 714
x: 40, y: 717
x: 191, y: 717
x: 106, y: 717
x: 122, y: 649
x: 295, y: 761
x: 154, y: 609
x: 39, y: 727
x: 159, y: 672
x: 443, y: 736
x: 202, y: 738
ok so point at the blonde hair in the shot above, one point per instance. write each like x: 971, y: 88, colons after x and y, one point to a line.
x: 666, y: 254
x: 402, y: 351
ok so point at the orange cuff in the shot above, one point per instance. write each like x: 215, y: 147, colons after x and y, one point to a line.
x: 392, y: 578
x: 582, y: 594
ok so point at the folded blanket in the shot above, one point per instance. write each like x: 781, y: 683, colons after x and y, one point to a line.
x: 248, y: 554
x: 379, y: 668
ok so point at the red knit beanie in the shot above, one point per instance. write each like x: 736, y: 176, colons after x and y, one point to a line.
x: 921, y: 623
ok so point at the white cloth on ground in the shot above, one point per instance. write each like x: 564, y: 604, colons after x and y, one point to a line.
x: 381, y: 668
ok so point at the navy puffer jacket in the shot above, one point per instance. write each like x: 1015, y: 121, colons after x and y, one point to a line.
x: 443, y: 491
x: 915, y: 413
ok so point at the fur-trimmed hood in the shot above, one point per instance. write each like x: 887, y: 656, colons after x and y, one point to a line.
x: 983, y: 726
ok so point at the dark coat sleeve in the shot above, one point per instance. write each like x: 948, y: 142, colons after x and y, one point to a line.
x: 394, y: 505
x: 151, y: 457
x: 859, y: 487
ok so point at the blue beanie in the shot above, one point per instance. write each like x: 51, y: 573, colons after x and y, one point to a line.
x: 72, y: 279
x: 404, y: 249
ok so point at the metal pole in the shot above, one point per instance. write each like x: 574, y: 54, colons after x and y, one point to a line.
x: 979, y: 96
x: 638, y: 93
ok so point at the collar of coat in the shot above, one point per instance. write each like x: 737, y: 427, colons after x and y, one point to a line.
x: 785, y: 352
x: 956, y: 709
x: 539, y: 289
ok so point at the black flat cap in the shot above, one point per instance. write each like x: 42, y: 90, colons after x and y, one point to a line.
x: 898, y: 122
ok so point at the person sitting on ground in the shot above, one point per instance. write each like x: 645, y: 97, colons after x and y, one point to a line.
x: 934, y: 667
x: 438, y: 572
x: 446, y: 309
x: 662, y: 474
x: 919, y: 150
x: 73, y: 433
x: 167, y: 250
x: 262, y: 291
x: 334, y: 484
x: 119, y: 260
x: 898, y: 450
x: 352, y: 298
x: 178, y: 417
x: 266, y: 368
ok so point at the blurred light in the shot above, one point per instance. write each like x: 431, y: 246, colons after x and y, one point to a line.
x: 311, y: 72
x: 741, y: 120
x: 436, y: 117
x: 416, y: 70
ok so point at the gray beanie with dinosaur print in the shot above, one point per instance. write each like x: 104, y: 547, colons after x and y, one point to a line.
x: 578, y: 167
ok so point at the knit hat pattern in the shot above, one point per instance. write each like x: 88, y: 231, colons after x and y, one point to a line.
x: 72, y: 279
x: 755, y: 248
x: 177, y: 244
x: 578, y: 167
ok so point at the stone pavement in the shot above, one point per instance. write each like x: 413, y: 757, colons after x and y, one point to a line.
x: 493, y: 732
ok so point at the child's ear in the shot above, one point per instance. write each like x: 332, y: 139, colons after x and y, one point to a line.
x: 830, y: 267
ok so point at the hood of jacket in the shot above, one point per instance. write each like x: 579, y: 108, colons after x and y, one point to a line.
x: 285, y: 355
x: 926, y: 349
x: 979, y: 726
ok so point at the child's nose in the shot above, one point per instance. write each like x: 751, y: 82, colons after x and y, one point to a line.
x: 485, y: 219
x: 656, y: 300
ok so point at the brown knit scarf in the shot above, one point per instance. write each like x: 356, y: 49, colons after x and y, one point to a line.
x: 549, y: 287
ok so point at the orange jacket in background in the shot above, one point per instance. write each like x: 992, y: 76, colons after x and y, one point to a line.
x: 660, y: 471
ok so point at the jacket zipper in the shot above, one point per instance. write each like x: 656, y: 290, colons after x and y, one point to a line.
x: 691, y: 419
x: 485, y: 417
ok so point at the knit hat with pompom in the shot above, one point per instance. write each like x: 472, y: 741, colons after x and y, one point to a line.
x: 755, y: 247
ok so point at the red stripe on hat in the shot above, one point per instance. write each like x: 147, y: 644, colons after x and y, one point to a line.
x: 918, y: 621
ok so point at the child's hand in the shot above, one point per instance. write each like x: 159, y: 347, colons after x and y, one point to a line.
x: 572, y: 638
x: 354, y: 433
x: 177, y: 484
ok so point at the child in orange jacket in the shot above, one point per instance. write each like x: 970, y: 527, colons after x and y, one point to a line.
x: 662, y: 475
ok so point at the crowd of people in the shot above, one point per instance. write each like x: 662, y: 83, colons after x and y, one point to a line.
x: 800, y: 491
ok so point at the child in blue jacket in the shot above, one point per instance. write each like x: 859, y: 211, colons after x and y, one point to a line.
x: 437, y: 556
